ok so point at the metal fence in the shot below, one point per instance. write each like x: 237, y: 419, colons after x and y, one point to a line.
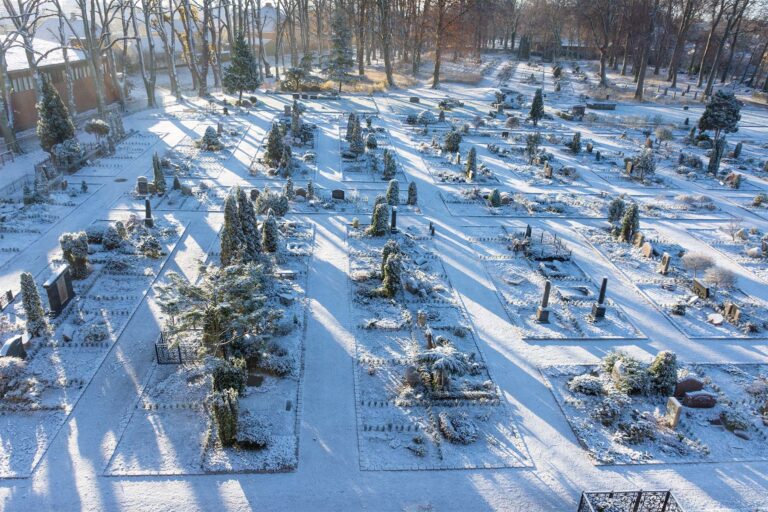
x: 178, y: 354
x: 629, y: 501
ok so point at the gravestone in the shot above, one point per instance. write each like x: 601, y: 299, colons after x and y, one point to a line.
x: 287, y: 110
x: 700, y: 289
x: 628, y: 167
x: 688, y: 385
x: 414, y: 99
x: 699, y: 400
x: 393, y: 223
x: 589, y: 147
x: 337, y: 194
x: 542, y: 313
x: 421, y: 318
x: 598, y: 309
x: 255, y: 194
x: 431, y: 229
x: 579, y: 111
x: 598, y: 156
x: 664, y: 268
x: 638, y: 240
x: 142, y: 186
x: 296, y: 96
x: 732, y: 312
x: 547, y: 171
x: 148, y: 221
x: 764, y: 247
x: 674, y: 408
x: 428, y: 336
x: 14, y: 347
x: 59, y: 290
x: 504, y: 135
x: 528, y: 231
x: 219, y: 128
x: 301, y: 192
x: 648, y: 251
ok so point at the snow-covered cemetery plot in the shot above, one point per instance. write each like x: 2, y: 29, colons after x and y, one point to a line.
x: 398, y: 256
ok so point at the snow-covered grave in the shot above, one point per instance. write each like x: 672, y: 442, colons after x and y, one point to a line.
x: 693, y: 293
x: 176, y: 392
x: 476, y: 201
x: 746, y: 245
x: 288, y: 149
x: 424, y: 396
x: 42, y: 390
x: 706, y: 413
x: 520, y: 263
x: 367, y: 155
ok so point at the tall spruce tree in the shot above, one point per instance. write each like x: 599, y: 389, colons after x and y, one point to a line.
x: 356, y: 144
x: 413, y: 194
x: 232, y: 240
x: 393, y: 193
x: 54, y: 123
x: 379, y: 219
x: 159, y: 176
x: 251, y: 239
x: 630, y: 223
x: 33, y: 306
x: 537, y: 108
x: 269, y: 233
x: 338, y: 65
x: 242, y: 74
x: 274, y: 150
x: 471, y: 167
x: 390, y: 168
x: 351, y: 123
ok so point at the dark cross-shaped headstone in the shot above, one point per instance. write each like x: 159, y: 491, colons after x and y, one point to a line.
x: 542, y: 313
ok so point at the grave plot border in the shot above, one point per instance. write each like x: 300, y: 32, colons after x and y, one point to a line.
x: 535, y: 215
x: 730, y: 257
x: 382, y: 136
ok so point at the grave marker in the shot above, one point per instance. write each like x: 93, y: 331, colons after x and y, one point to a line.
x: 665, y: 260
x: 674, y: 408
x: 393, y: 223
x: 598, y: 309
x: 648, y: 251
x: 337, y: 194
x: 700, y: 290
x: 638, y: 240
x: 148, y: 221
x: 14, y: 347
x: 547, y: 171
x: 542, y: 313
x: 59, y: 290
x: 142, y: 186
x: 732, y: 312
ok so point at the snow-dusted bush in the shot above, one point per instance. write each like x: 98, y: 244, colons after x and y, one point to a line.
x: 663, y: 373
x: 495, y: 198
x: 616, y: 210
x: 720, y: 277
x: 150, y: 247
x: 95, y: 234
x: 223, y: 407
x: 390, y: 281
x: 97, y: 127
x: 75, y: 249
x: 229, y: 374
x: 253, y: 432
x: 68, y: 152
x: 269, y: 233
x: 413, y: 196
x: 371, y: 142
x: 458, y: 428
x: 274, y: 201
x: 426, y: 117
x: 452, y: 141
x: 644, y: 164
x: 734, y: 419
x: 96, y: 332
x: 210, y: 140
x: 609, y: 409
x: 586, y: 384
x: 111, y: 239
x: 393, y: 193
x: 379, y: 220
x: 11, y: 368
x: 663, y: 133
x: 637, y: 431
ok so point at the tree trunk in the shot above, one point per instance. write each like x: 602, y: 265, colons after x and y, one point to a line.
x: 438, y: 43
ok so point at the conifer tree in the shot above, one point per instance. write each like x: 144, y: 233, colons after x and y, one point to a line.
x: 33, y: 306
x: 452, y: 141
x: 295, y: 123
x: 630, y: 223
x: 413, y: 195
x: 379, y: 220
x: 54, y: 123
x: 242, y: 74
x: 391, y: 279
x: 42, y: 189
x: 616, y: 210
x: 370, y: 141
x: 391, y: 247
x: 356, y: 144
x: 495, y: 198
x: 722, y: 114
x: 393, y: 193
x: 74, y: 246
x: 232, y: 233
x: 339, y: 63
x: 537, y: 108
x: 274, y: 151
x: 159, y: 176
x: 310, y: 190
x: 390, y: 168
x: 351, y: 123
x: 288, y: 190
x: 470, y: 170
x: 251, y: 238
x: 269, y: 233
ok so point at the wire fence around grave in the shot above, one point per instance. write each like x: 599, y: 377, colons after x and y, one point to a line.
x: 175, y: 353
x: 629, y: 501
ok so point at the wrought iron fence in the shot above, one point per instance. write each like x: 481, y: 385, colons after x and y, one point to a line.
x: 629, y: 501
x: 178, y: 354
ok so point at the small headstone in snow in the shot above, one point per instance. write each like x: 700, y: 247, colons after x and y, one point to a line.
x: 67, y: 332
x: 664, y: 268
x: 420, y: 261
x: 699, y: 400
x: 286, y: 299
x: 59, y: 290
x: 337, y: 194
x: 700, y: 290
x: 14, y: 348
x: 142, y: 185
x: 755, y: 252
x: 638, y: 240
x: 648, y: 251
x: 688, y: 385
x: 674, y: 407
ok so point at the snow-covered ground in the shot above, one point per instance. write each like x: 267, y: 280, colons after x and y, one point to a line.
x: 108, y: 449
